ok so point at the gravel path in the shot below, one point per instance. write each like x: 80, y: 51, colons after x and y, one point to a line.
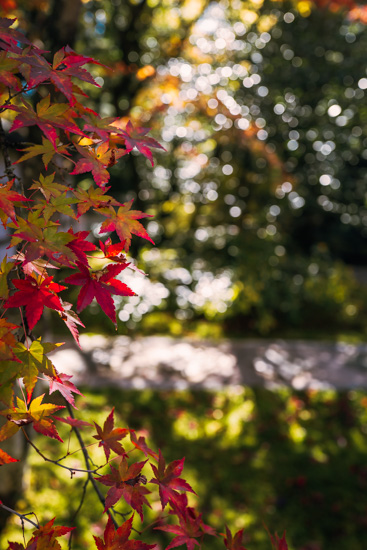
x: 168, y: 363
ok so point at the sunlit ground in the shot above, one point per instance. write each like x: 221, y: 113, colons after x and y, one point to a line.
x: 293, y: 460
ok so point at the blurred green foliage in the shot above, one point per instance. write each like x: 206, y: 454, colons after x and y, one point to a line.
x: 260, y: 200
x: 293, y: 460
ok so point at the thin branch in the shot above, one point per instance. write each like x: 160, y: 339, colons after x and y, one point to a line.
x: 79, y: 508
x: 88, y: 461
x: 57, y: 462
x: 23, y: 517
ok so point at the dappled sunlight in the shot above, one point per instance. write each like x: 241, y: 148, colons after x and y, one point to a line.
x: 252, y: 455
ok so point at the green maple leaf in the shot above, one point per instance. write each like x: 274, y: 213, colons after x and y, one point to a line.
x: 34, y: 361
x: 5, y: 268
x: 42, y: 241
x: 47, y: 150
x: 48, y: 187
x: 59, y: 204
x: 8, y: 375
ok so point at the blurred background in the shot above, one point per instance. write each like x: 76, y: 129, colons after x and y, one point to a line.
x: 260, y: 225
x: 259, y: 203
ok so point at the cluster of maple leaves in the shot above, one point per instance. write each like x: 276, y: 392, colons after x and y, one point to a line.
x: 33, y: 219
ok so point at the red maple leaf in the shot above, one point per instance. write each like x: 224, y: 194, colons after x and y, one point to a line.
x: 8, y: 200
x: 119, y: 539
x: 71, y: 320
x: 124, y: 222
x: 6, y: 459
x: 73, y: 422
x: 11, y: 37
x: 168, y: 479
x: 66, y: 64
x: 141, y: 445
x: 233, y: 543
x: 100, y: 285
x: 35, y: 293
x: 109, y: 436
x: 136, y: 137
x: 276, y: 542
x: 80, y: 246
x: 97, y: 161
x: 61, y: 382
x: 45, y: 537
x: 46, y: 117
x: 113, y: 252
x: 125, y: 482
x: 98, y: 125
x: 190, y: 528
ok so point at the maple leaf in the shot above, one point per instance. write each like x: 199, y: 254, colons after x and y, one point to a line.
x: 5, y: 268
x: 100, y: 285
x: 47, y: 150
x: 113, y: 252
x: 190, y: 527
x: 48, y: 187
x: 61, y: 203
x: 276, y: 542
x: 136, y: 137
x: 141, y: 445
x: 34, y: 360
x: 38, y: 266
x: 66, y: 64
x: 46, y: 117
x: 96, y: 161
x: 11, y: 37
x: 35, y: 294
x: 233, y: 543
x: 8, y: 69
x: 36, y: 415
x: 125, y: 223
x: 73, y: 422
x: 98, y: 125
x: 42, y: 241
x: 19, y: 546
x: 109, y: 436
x: 8, y: 200
x: 61, y: 382
x: 71, y: 320
x: 80, y: 246
x: 6, y: 459
x: 168, y: 479
x: 119, y: 539
x: 8, y: 375
x: 94, y: 197
x: 45, y: 537
x: 7, y: 340
x: 125, y: 482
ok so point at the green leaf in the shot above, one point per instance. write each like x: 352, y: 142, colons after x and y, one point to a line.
x: 5, y: 268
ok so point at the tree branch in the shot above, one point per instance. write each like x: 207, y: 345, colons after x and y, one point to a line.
x: 88, y: 462
x: 23, y: 517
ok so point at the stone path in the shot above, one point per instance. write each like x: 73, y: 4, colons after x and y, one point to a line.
x: 168, y: 363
